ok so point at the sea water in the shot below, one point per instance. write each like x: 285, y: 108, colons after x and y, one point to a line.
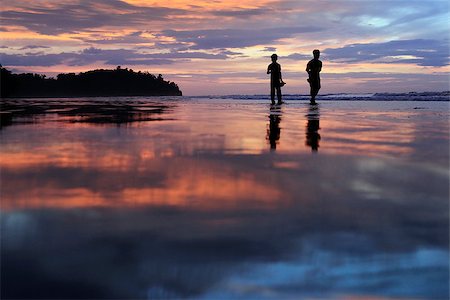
x: 225, y: 197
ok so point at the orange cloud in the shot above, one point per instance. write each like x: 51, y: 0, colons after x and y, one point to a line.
x: 201, y: 186
x: 199, y: 4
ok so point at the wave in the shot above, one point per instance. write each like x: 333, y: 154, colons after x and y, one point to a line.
x: 411, y: 96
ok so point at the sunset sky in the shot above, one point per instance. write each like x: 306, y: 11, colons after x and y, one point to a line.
x: 219, y: 47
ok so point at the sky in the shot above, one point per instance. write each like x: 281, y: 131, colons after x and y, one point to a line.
x: 222, y: 47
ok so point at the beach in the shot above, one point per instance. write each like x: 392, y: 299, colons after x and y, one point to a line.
x: 225, y: 197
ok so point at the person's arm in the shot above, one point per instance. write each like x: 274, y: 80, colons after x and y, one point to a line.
x: 308, y: 69
x: 268, y: 69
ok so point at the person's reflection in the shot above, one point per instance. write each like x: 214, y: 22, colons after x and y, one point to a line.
x: 312, y: 129
x: 273, y: 132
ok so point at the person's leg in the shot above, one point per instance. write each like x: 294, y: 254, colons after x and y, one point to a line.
x: 279, y: 94
x: 315, y: 86
x: 316, y: 90
x: 272, y: 93
x: 313, y: 95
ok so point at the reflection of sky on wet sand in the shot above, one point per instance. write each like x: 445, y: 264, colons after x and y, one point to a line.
x: 199, y: 205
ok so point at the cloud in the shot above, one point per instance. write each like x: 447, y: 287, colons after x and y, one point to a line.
x: 132, y: 38
x: 419, y: 51
x: 235, y: 38
x: 84, y: 15
x: 232, y: 53
x: 109, y: 57
x: 270, y: 49
x: 242, y: 13
x: 297, y: 56
x: 33, y: 47
x: 338, y: 26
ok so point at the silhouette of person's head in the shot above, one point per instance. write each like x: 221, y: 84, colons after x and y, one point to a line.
x: 274, y: 57
x: 316, y: 54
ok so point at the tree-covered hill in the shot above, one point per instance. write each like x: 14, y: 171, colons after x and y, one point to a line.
x: 118, y: 82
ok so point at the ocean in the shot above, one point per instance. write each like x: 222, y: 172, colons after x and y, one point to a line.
x: 225, y: 197
x: 411, y: 96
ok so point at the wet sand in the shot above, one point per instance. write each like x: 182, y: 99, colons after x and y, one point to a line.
x: 221, y: 198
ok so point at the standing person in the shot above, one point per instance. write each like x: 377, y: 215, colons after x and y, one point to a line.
x: 313, y: 68
x: 276, y: 82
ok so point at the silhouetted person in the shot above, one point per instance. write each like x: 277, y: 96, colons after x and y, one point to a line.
x: 276, y: 82
x: 273, y: 132
x: 312, y: 129
x: 313, y: 68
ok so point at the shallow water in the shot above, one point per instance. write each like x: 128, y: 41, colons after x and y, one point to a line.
x: 224, y: 198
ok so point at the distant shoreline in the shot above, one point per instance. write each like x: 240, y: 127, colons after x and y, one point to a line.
x: 96, y: 83
x: 86, y: 96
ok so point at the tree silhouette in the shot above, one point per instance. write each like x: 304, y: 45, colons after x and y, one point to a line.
x: 118, y: 82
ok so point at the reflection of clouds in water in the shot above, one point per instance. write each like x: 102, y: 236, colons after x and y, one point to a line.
x: 17, y: 227
x: 206, y: 181
x: 328, y: 274
x: 187, y: 249
x: 391, y: 179
x: 253, y: 179
x: 181, y: 209
x: 176, y: 253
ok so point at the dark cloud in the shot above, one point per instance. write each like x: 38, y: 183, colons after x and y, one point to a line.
x: 35, y: 60
x: 110, y: 57
x: 132, y: 38
x: 376, y: 82
x: 34, y: 47
x: 232, y: 53
x: 84, y: 15
x: 419, y: 51
x: 297, y: 56
x: 270, y: 49
x: 242, y: 13
x: 189, y: 55
x: 168, y: 45
x: 235, y: 38
x: 375, y: 75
